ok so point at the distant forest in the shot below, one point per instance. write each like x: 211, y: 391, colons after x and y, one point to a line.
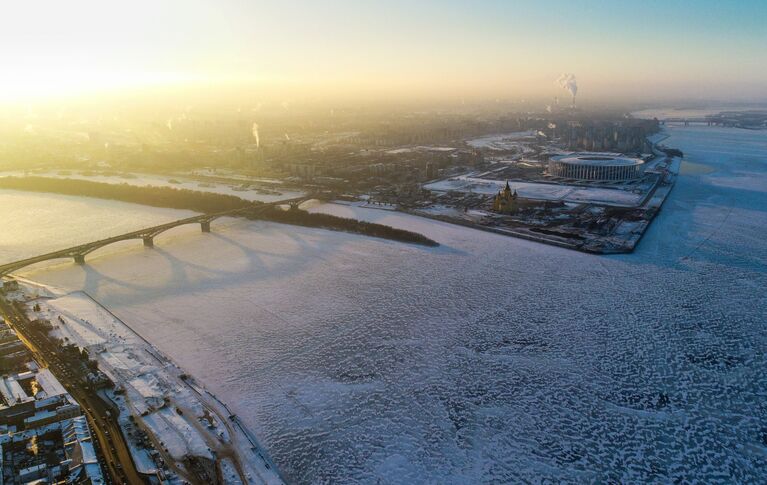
x: 208, y: 202
x: 169, y: 197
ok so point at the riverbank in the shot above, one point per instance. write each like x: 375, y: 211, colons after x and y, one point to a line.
x: 166, y: 197
x: 299, y: 217
x: 616, y: 229
x: 357, y: 359
x: 207, y: 202
x: 156, y: 399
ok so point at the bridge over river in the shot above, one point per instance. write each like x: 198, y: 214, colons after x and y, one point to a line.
x: 78, y: 253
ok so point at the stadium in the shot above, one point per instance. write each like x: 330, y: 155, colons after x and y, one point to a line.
x: 596, y: 167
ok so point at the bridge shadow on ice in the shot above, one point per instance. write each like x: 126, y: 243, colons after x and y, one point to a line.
x: 179, y: 272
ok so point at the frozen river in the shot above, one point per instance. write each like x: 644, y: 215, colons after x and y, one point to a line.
x: 488, y: 359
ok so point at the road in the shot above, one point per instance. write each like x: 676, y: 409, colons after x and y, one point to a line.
x: 102, y: 417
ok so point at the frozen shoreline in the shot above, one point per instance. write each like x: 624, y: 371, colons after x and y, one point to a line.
x: 248, y: 189
x: 487, y: 359
x: 152, y: 385
x: 622, y: 239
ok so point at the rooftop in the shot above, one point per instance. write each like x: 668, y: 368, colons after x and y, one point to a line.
x: 598, y: 159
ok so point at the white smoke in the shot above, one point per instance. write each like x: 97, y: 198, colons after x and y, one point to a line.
x: 548, y: 108
x: 169, y: 124
x: 287, y: 137
x: 255, y: 135
x: 567, y: 82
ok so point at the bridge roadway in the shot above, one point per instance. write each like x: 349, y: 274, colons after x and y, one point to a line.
x: 148, y: 234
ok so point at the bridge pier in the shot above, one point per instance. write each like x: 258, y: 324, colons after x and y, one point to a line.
x: 146, y: 234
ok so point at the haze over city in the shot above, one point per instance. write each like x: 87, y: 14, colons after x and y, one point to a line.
x: 306, y: 242
x: 379, y: 51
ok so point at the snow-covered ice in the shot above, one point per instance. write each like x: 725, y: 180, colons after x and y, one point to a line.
x: 487, y: 359
x: 700, y: 112
x: 37, y: 223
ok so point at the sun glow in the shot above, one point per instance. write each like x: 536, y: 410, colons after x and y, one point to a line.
x: 73, y: 82
x: 372, y: 49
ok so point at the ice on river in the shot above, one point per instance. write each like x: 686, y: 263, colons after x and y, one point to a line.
x: 38, y: 223
x: 487, y: 359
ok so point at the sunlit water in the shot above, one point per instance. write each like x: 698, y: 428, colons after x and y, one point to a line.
x: 37, y: 223
x: 486, y: 359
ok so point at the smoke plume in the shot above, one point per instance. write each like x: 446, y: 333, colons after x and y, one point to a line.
x: 255, y: 135
x: 567, y: 82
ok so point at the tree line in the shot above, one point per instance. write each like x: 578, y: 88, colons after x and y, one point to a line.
x: 170, y: 197
x: 300, y: 217
x: 208, y: 202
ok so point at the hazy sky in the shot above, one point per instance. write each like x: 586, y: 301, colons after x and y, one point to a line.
x: 640, y: 49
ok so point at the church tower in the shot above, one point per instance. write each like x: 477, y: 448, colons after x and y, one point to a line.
x: 506, y: 200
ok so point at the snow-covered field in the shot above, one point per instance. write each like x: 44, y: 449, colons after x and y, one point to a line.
x: 397, y: 151
x: 173, y: 407
x: 506, y: 141
x: 487, y: 359
x: 541, y: 191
